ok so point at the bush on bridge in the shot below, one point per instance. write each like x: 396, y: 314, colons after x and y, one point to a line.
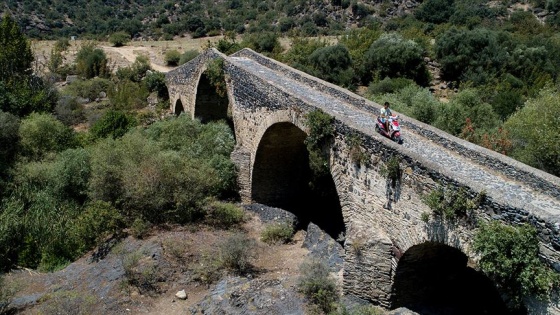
x: 510, y: 257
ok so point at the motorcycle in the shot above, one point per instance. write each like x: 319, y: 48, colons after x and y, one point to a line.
x: 394, y: 132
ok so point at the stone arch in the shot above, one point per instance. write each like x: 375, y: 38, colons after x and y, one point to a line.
x: 281, y: 176
x: 434, y: 278
x: 209, y: 104
x: 179, y: 108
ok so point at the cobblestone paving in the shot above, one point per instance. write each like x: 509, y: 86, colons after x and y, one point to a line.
x: 451, y: 164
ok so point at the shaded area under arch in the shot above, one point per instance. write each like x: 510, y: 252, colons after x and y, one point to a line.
x: 179, y: 109
x: 281, y: 177
x: 209, y: 105
x: 434, y: 279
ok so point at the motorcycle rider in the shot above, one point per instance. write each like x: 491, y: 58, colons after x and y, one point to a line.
x: 385, y: 115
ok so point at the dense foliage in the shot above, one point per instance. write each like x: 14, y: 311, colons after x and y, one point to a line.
x: 62, y: 199
x: 510, y: 257
x: 21, y: 91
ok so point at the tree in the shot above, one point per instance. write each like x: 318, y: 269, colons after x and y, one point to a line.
x: 510, y: 257
x: 535, y: 131
x: 393, y: 56
x: 113, y: 123
x: 41, y: 134
x: 435, y: 11
x: 172, y: 57
x: 91, y: 62
x: 465, y: 54
x: 333, y: 64
x: 119, y: 39
x: 9, y: 138
x: 21, y: 92
x: 16, y: 56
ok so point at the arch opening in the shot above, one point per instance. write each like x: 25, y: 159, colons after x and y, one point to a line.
x: 179, y: 108
x: 281, y: 177
x: 209, y: 104
x: 435, y: 279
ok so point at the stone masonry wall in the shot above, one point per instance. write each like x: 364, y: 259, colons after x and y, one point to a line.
x: 499, y: 207
x: 374, y: 231
x: 381, y: 222
x: 511, y: 168
x: 182, y: 82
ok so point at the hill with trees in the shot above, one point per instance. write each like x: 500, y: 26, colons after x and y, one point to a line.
x: 484, y: 71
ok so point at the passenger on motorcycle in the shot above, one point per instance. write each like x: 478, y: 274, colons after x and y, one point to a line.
x: 385, y: 115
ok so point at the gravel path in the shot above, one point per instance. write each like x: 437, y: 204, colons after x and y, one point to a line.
x: 448, y: 162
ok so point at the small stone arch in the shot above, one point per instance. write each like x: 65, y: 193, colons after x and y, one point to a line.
x: 209, y: 104
x: 179, y: 108
x: 281, y: 176
x: 434, y: 278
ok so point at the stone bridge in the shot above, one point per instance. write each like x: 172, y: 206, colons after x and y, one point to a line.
x: 394, y: 254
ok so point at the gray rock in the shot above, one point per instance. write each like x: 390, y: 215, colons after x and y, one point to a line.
x: 236, y: 295
x: 271, y: 215
x: 402, y: 311
x: 323, y: 247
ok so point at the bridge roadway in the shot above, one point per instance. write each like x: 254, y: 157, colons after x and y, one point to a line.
x: 464, y: 170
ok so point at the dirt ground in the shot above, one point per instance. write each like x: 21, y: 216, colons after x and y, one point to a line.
x: 125, y: 55
x: 101, y: 287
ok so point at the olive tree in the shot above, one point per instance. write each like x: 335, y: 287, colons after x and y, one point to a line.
x: 393, y: 56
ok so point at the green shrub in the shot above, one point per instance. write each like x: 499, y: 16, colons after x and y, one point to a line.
x: 98, y: 220
x: 92, y: 62
x: 172, y: 57
x: 119, y: 39
x: 388, y: 85
x: 317, y: 285
x: 188, y: 56
x: 136, y: 71
x: 6, y: 294
x: 41, y: 134
x: 215, y: 73
x: 321, y: 128
x: 69, y: 111
x: 113, y: 123
x: 357, y: 154
x: 452, y: 204
x: 510, y: 257
x: 155, y: 82
x: 224, y: 215
x: 67, y: 302
x: 277, y: 233
x: 9, y: 138
x: 139, y: 228
x: 89, y: 89
x: 539, y: 147
x: 392, y: 171
x: 333, y: 64
x: 128, y: 95
x: 141, y: 272
x: 392, y: 55
x: 236, y: 252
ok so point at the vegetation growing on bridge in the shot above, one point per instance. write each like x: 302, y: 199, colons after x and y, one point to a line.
x: 357, y: 153
x: 320, y: 135
x: 451, y: 204
x: 392, y: 171
x: 509, y: 255
x: 215, y: 73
